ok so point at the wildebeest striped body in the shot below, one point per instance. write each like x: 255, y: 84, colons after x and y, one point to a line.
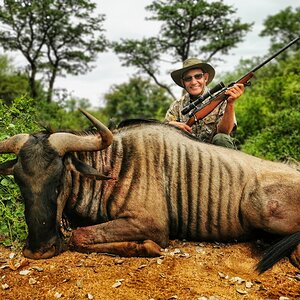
x: 173, y: 183
x: 129, y: 191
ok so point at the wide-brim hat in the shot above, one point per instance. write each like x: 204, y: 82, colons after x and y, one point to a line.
x: 193, y: 63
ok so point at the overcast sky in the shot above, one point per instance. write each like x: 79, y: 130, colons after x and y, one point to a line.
x: 126, y: 19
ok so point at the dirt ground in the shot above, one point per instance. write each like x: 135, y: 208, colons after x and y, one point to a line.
x: 186, y: 271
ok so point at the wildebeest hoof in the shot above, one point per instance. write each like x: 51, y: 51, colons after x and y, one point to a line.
x: 151, y: 248
x: 39, y: 254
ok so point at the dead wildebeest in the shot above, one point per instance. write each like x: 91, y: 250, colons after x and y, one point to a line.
x: 128, y: 192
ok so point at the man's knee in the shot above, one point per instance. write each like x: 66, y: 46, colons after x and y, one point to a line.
x: 224, y: 140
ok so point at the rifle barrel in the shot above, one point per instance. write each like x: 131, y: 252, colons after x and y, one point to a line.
x: 274, y: 55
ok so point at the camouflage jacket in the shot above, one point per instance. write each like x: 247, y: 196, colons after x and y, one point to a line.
x: 204, y: 129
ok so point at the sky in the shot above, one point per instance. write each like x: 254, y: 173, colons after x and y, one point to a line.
x: 126, y: 19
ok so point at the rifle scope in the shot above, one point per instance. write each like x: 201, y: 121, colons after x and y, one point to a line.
x: 210, y: 92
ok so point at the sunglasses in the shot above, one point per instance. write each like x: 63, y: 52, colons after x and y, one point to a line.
x: 196, y: 76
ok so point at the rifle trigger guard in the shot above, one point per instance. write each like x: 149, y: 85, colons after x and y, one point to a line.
x: 195, y: 118
x: 248, y: 83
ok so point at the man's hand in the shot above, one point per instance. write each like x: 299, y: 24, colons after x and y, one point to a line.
x: 234, y: 92
x: 182, y: 126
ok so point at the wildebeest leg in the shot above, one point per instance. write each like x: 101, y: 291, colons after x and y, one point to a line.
x: 127, y: 249
x: 125, y: 236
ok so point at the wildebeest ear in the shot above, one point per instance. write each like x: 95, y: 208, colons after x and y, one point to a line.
x: 7, y: 168
x: 88, y: 171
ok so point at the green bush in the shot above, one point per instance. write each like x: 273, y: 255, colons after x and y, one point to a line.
x: 268, y: 112
x: 19, y: 117
x: 252, y: 116
x: 65, y: 115
x: 13, y: 229
x: 279, y: 140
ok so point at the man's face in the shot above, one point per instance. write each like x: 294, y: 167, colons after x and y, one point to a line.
x: 194, y: 81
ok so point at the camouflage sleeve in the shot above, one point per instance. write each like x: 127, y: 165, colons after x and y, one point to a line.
x: 173, y: 112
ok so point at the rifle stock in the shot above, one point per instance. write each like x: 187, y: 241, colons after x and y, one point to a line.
x: 215, y: 100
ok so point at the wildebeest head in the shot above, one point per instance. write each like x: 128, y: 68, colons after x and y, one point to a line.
x: 38, y: 169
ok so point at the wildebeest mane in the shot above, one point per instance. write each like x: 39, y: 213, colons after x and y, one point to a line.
x: 137, y: 121
x: 290, y: 161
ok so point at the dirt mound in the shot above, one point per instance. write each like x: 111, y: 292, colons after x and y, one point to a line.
x: 186, y: 271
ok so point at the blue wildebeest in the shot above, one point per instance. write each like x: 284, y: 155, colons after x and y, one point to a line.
x: 127, y: 193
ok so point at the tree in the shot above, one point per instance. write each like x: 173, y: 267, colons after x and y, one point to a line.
x: 144, y: 55
x: 56, y: 37
x: 282, y: 28
x: 136, y: 99
x: 188, y: 27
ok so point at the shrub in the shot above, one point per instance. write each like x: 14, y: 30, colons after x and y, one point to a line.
x: 16, y: 118
x: 279, y: 140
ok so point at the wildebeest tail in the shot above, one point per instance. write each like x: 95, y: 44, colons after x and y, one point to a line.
x: 278, y: 251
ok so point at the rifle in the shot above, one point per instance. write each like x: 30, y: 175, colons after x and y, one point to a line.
x: 217, y: 93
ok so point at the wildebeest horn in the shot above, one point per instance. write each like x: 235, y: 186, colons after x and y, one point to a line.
x: 13, y: 144
x: 67, y: 142
x: 102, y: 129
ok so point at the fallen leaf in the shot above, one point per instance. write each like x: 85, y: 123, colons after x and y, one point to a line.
x: 242, y: 292
x: 15, y: 265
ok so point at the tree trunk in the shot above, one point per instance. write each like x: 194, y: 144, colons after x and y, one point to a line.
x: 51, y: 83
x: 32, y: 84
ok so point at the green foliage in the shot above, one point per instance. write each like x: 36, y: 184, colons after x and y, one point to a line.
x: 13, y: 228
x: 279, y: 140
x: 190, y: 27
x: 136, y: 99
x: 144, y: 55
x: 283, y: 28
x: 139, y: 53
x: 268, y: 112
x: 19, y: 117
x: 63, y: 115
x: 12, y: 84
x: 275, y: 133
x: 252, y: 116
